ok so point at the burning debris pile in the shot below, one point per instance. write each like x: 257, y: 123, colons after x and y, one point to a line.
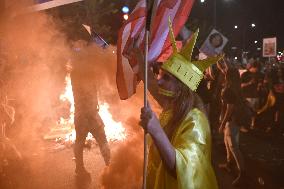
x: 64, y: 132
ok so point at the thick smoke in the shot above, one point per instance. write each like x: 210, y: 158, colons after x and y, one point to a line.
x: 34, y: 54
x: 33, y: 58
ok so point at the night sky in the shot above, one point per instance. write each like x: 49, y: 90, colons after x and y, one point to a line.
x: 268, y: 16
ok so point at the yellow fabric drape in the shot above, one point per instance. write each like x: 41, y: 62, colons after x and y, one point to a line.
x: 192, y: 143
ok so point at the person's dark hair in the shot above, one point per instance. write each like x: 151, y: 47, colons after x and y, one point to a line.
x: 156, y: 66
x: 215, y: 35
x: 233, y: 81
x: 184, y: 102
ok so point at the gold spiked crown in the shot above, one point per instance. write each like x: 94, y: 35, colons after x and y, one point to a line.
x: 180, y: 65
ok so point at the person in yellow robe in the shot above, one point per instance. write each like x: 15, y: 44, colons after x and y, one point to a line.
x: 180, y: 151
x: 191, y: 156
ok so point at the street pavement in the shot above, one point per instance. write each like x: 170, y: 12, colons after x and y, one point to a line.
x: 264, y: 159
x: 48, y: 165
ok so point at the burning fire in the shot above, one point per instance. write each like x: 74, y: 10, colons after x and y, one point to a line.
x: 68, y: 95
x: 114, y: 130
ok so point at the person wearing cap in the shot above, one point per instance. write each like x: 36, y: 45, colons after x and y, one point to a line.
x: 180, y: 150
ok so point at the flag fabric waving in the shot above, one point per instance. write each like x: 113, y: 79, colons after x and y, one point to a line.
x: 134, y: 28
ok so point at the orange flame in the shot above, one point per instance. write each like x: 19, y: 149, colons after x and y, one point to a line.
x: 114, y: 130
x: 68, y: 95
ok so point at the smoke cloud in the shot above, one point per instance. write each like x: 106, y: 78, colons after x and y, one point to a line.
x: 33, y: 57
x: 34, y: 54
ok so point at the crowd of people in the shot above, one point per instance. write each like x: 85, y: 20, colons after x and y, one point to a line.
x: 261, y: 85
x: 244, y: 98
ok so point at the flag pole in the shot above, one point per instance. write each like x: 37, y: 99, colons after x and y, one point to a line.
x: 145, y: 105
x: 149, y: 6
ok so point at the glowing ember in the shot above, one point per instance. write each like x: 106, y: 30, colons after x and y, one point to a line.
x: 114, y: 130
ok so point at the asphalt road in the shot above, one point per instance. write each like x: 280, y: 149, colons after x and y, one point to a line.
x: 48, y: 166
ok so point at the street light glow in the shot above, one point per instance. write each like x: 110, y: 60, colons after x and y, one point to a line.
x: 125, y: 17
x: 255, y: 42
x: 202, y: 1
x: 125, y: 9
x: 236, y: 27
x: 252, y: 25
x: 236, y: 58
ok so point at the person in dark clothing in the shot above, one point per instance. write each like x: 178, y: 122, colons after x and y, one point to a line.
x: 278, y: 90
x: 267, y: 100
x: 230, y: 97
x: 87, y: 118
x: 216, y: 85
x: 251, y: 83
x: 204, y: 93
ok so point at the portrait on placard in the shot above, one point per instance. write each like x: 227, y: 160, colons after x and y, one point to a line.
x: 214, y: 43
x: 269, y: 47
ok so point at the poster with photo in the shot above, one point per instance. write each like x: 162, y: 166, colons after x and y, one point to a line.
x: 214, y: 43
x: 269, y: 47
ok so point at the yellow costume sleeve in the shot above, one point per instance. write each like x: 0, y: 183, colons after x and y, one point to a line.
x: 192, y: 144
